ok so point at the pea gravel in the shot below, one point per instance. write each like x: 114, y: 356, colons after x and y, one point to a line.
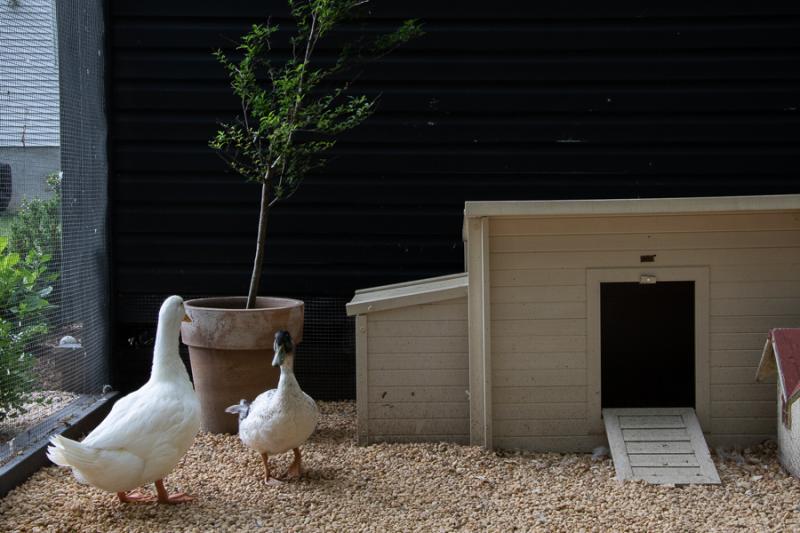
x: 414, y: 487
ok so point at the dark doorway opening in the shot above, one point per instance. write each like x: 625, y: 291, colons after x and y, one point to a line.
x: 647, y: 344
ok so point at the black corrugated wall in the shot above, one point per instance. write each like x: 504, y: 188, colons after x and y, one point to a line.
x: 500, y: 100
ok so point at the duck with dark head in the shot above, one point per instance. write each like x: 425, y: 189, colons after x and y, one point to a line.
x: 279, y: 419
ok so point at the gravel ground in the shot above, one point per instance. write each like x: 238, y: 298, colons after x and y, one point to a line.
x: 42, y: 405
x: 408, y: 487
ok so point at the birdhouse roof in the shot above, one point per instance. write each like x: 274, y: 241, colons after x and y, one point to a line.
x: 782, y: 355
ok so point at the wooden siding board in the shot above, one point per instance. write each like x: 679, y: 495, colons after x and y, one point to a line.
x: 541, y: 360
x: 637, y: 241
x: 415, y: 410
x: 622, y: 259
x: 539, y: 411
x: 423, y: 328
x: 743, y: 392
x: 752, y: 324
x: 418, y: 393
x: 362, y: 380
x: 524, y: 328
x: 540, y: 344
x: 639, y: 224
x: 543, y: 394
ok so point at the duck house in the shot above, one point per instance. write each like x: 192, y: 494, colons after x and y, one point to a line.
x: 572, y: 308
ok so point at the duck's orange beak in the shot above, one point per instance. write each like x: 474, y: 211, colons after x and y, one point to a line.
x: 186, y: 319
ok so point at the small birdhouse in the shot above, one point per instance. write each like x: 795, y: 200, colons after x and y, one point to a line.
x: 781, y: 356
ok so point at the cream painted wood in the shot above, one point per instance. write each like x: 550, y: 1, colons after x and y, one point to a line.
x: 627, y: 224
x: 540, y: 411
x: 539, y: 360
x: 650, y: 206
x: 642, y: 241
x: 419, y: 410
x: 743, y: 425
x: 747, y: 409
x: 481, y: 431
x: 550, y: 344
x: 546, y: 394
x: 434, y: 311
x: 552, y: 443
x: 362, y: 381
x: 538, y: 311
x: 544, y: 377
x: 430, y: 378
x: 621, y: 259
x: 765, y: 271
x: 700, y: 277
x: 661, y: 446
x: 412, y: 283
x: 423, y: 328
x: 531, y: 277
x: 389, y: 345
x: 421, y: 361
x: 456, y: 439
x: 540, y: 428
x: 756, y: 289
x: 441, y: 427
x: 406, y: 294
x: 525, y: 328
x: 752, y: 324
x: 742, y: 393
x: 676, y: 447
x: 562, y: 293
x: 418, y: 393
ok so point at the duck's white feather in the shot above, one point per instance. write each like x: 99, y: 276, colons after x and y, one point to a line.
x: 280, y: 419
x: 146, y: 433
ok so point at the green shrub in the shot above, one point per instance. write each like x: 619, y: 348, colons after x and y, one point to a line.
x: 25, y: 285
x: 37, y: 225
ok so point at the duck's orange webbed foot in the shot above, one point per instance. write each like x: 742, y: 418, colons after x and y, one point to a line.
x: 295, y: 469
x: 165, y: 497
x: 135, y: 496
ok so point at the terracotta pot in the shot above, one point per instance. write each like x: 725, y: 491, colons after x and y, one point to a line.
x: 230, y: 349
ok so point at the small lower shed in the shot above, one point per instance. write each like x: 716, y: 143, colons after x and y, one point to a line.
x: 412, y: 362
x: 578, y: 306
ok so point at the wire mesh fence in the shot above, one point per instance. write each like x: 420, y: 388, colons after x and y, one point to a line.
x: 325, y: 363
x: 53, y: 176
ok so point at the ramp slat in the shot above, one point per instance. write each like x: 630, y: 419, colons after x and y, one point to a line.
x: 647, y: 422
x: 657, y: 434
x: 659, y: 446
x: 672, y: 459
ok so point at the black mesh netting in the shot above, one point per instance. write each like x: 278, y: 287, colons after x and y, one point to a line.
x: 325, y: 363
x: 53, y: 182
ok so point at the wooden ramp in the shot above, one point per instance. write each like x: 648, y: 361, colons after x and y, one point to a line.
x: 659, y: 446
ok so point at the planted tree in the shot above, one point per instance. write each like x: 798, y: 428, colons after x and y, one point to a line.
x: 293, y: 108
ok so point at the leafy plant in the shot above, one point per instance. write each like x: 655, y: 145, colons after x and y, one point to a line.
x: 24, y: 288
x: 293, y: 109
x: 37, y: 225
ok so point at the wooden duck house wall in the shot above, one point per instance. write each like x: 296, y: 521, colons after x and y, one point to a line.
x: 535, y: 276
x: 412, y: 361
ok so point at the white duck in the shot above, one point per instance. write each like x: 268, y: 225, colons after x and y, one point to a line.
x: 147, y: 432
x: 279, y: 419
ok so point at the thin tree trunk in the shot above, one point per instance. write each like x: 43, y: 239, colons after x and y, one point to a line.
x: 258, y: 263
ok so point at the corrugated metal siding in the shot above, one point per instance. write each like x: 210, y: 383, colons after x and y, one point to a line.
x: 29, y: 95
x: 497, y: 101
